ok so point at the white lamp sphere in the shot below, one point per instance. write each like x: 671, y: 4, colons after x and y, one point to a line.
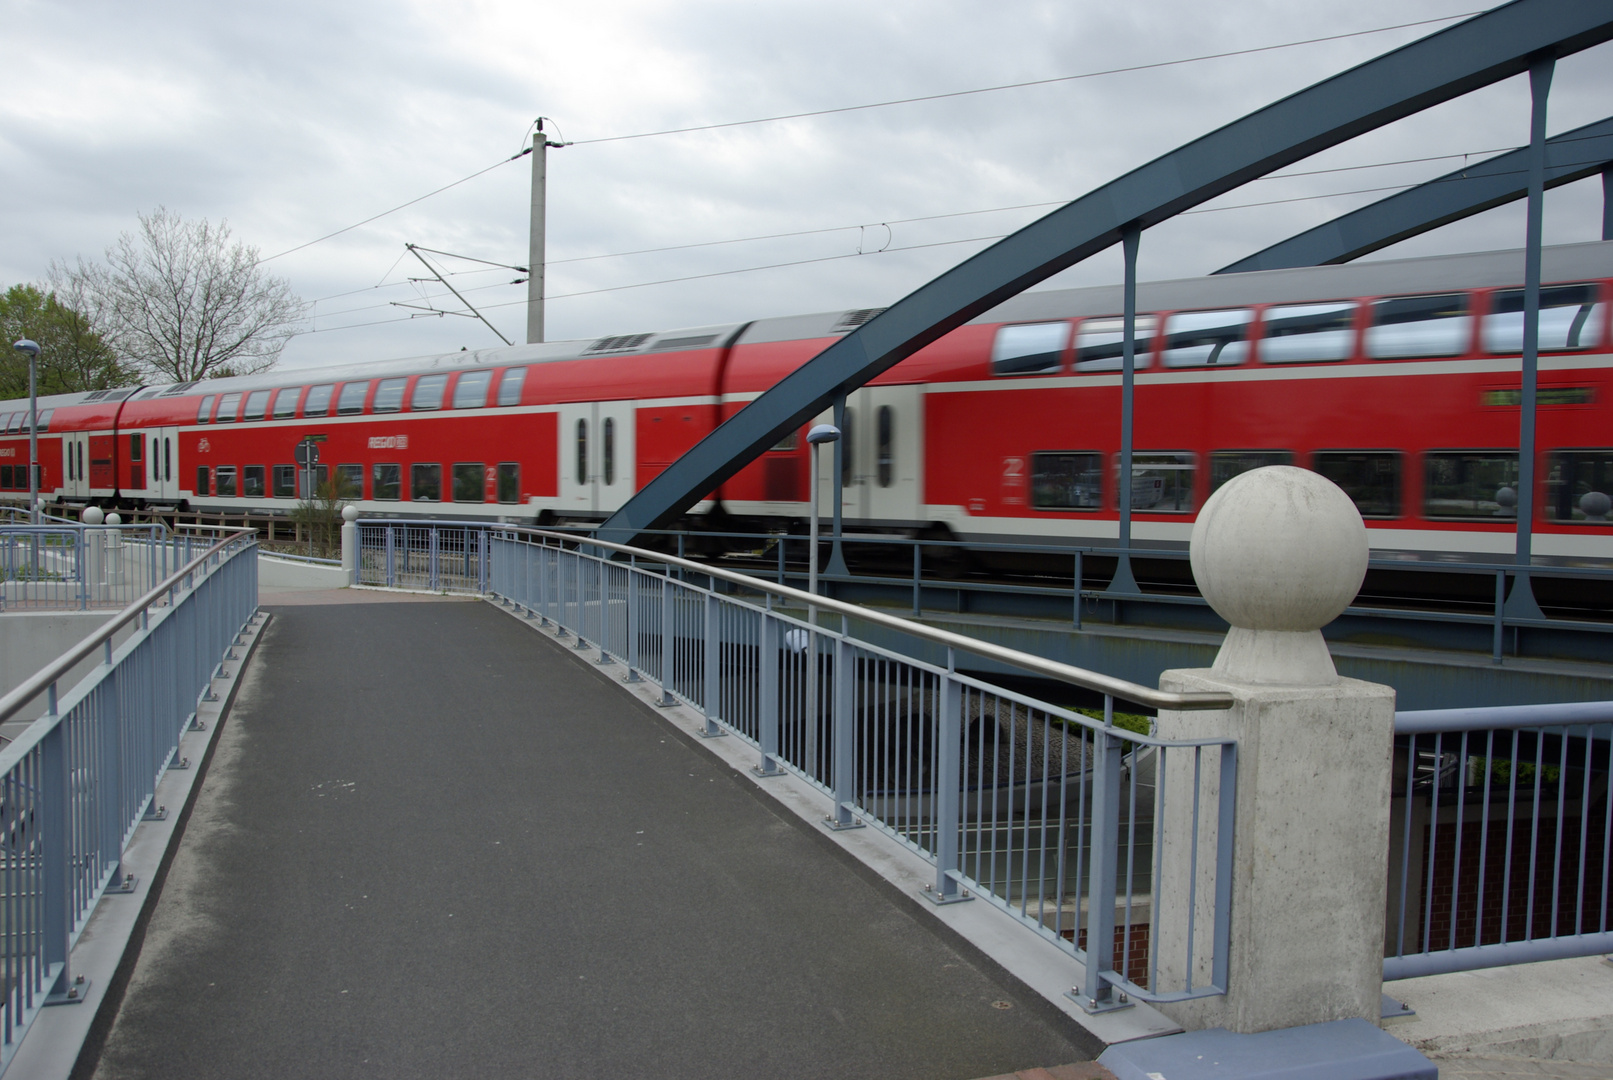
x: 114, y: 519
x: 93, y: 515
x: 1279, y: 548
x: 349, y: 512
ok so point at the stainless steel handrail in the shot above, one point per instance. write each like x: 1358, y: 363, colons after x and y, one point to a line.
x: 1066, y: 673
x: 54, y: 671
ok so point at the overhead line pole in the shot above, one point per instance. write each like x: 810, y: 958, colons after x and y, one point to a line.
x: 535, y: 256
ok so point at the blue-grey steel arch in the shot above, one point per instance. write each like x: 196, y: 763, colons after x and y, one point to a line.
x: 1573, y: 155
x: 1482, y: 50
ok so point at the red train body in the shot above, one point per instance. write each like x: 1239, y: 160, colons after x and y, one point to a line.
x: 1398, y: 379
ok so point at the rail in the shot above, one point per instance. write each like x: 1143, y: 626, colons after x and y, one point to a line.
x: 75, y: 784
x: 1500, y: 837
x: 1042, y: 810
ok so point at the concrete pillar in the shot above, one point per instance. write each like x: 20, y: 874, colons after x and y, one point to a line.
x: 114, y: 552
x: 350, y: 543
x: 1279, y: 552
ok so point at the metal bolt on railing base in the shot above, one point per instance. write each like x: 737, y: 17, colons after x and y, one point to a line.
x: 209, y: 696
x: 1093, y: 1006
x: 231, y: 654
x: 196, y: 723
x: 937, y: 899
x: 73, y: 995
x: 605, y: 658
x: 124, y: 885
x: 180, y: 763
x: 711, y: 731
x: 845, y: 820
x: 768, y: 770
x: 159, y: 814
x: 632, y: 676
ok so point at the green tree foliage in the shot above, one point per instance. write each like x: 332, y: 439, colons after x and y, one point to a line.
x: 72, y: 356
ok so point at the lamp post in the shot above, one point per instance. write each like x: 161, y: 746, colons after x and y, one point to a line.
x: 820, y: 434
x: 32, y: 350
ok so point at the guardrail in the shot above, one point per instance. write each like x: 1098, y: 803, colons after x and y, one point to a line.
x: 75, y: 784
x: 434, y: 556
x: 1044, y: 811
x: 1500, y: 837
x: 79, y: 567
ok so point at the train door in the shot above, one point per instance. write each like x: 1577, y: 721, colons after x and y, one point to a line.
x: 883, y: 473
x: 162, y: 464
x: 579, y: 436
x: 75, y: 466
x: 596, y: 456
x: 613, y: 473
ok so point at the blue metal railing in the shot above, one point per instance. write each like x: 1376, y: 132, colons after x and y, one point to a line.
x: 1041, y: 810
x: 76, y: 783
x: 77, y: 567
x: 449, y: 556
x: 1500, y: 837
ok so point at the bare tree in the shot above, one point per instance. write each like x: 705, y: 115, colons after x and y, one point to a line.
x: 182, y: 301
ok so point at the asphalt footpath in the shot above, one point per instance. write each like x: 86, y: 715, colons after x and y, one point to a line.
x: 433, y: 843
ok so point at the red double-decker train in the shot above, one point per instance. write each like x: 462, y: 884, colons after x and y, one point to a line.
x: 1399, y: 380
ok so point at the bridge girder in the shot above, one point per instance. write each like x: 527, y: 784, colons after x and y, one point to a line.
x: 1475, y: 53
x: 1573, y: 155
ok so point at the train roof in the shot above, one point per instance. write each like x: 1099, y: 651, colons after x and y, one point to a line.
x: 1439, y: 273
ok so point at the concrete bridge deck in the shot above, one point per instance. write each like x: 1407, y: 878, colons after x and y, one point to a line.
x: 431, y: 842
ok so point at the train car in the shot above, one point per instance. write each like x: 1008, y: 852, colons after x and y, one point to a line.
x: 1398, y: 379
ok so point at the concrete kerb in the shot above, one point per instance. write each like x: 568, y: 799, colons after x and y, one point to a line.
x: 65, y: 1040
x: 990, y: 936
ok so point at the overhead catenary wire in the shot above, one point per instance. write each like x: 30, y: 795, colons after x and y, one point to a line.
x: 875, y: 105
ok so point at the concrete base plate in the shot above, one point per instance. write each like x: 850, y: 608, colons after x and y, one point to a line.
x: 1341, y: 1050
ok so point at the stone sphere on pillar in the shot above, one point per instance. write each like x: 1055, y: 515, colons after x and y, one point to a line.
x: 114, y: 519
x: 1278, y: 552
x: 93, y: 515
x: 349, y: 512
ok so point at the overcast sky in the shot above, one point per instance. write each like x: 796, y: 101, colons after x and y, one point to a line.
x: 299, y: 118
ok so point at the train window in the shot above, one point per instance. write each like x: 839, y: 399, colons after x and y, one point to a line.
x: 470, y: 392
x: 786, y: 444
x: 885, y: 452
x: 252, y: 481
x: 468, y: 483
x: 509, y: 482
x: 1570, y: 318
x: 1579, y: 484
x: 136, y: 446
x: 582, y: 452
x: 1308, y: 333
x: 425, y: 483
x: 167, y: 459
x: 7, y: 420
x: 205, y: 412
x: 1225, y: 464
x: 1405, y: 327
x: 351, y: 399
x: 6, y: 476
x: 257, y: 405
x: 389, y: 396
x: 285, y: 481
x: 285, y: 402
x: 1207, y: 338
x: 349, y: 482
x: 202, y: 480
x: 608, y: 449
x: 44, y: 420
x: 428, y: 392
x: 1161, y: 481
x: 1470, y: 483
x: 1098, y: 343
x: 321, y: 478
x: 386, y: 482
x: 228, y: 404
x: 1028, y: 348
x: 1370, y: 478
x: 318, y: 400
x: 1062, y: 480
x: 224, y: 480
x: 509, y: 387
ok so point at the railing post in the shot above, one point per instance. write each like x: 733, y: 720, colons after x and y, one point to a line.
x: 391, y: 557
x: 844, y: 726
x: 431, y: 558
x: 712, y: 664
x: 633, y: 620
x: 54, y: 832
x: 767, y: 662
x: 602, y: 575
x: 1096, y: 993
x: 918, y: 577
x: 1077, y: 612
x: 948, y: 788
x: 1499, y: 636
x: 668, y: 668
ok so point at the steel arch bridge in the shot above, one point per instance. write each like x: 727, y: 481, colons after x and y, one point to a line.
x: 1522, y: 36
